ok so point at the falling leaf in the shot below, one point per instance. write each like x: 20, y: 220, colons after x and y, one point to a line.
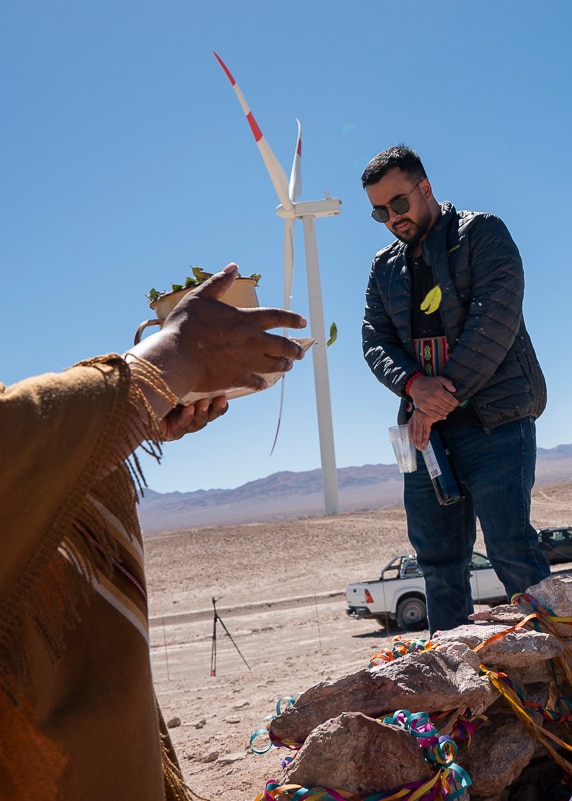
x: 333, y: 335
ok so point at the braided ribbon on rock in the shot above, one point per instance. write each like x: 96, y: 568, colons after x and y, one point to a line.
x: 541, y: 619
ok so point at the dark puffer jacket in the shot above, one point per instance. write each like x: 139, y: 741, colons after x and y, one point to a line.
x: 478, y: 267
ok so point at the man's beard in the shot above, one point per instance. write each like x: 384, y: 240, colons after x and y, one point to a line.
x: 421, y: 229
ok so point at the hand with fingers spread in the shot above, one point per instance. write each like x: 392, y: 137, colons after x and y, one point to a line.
x: 206, y: 345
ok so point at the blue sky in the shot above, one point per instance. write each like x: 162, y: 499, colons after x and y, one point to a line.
x: 125, y: 158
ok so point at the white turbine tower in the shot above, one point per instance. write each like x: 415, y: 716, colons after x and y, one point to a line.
x: 291, y: 210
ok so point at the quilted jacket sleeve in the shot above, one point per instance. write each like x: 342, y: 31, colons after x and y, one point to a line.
x: 386, y: 331
x: 494, y: 315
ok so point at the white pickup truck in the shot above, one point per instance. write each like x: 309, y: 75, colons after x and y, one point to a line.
x: 398, y: 596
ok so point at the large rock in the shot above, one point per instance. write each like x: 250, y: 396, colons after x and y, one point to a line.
x: 506, y: 614
x: 519, y: 648
x: 535, y: 780
x: 462, y: 651
x: 554, y: 594
x: 426, y: 681
x: 499, y: 751
x: 472, y: 635
x: 358, y: 755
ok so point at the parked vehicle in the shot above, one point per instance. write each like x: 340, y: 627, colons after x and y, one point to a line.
x: 398, y: 596
x: 556, y: 544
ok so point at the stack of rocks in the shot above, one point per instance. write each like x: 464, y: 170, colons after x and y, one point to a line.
x: 486, y: 704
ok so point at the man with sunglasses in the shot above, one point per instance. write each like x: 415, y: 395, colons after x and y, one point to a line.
x: 443, y: 330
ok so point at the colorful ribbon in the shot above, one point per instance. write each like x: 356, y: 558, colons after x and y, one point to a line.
x: 400, y: 648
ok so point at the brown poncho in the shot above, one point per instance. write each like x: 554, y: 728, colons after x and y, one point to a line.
x: 78, y: 717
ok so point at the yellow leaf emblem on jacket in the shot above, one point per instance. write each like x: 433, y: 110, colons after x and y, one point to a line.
x: 432, y: 300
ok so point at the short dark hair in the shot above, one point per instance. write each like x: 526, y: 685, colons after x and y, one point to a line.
x: 397, y: 156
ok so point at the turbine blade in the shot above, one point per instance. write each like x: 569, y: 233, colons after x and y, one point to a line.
x: 288, y: 277
x: 295, y: 185
x: 283, y: 384
x: 277, y: 174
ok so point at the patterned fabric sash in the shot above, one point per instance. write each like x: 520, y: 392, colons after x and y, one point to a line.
x: 432, y: 354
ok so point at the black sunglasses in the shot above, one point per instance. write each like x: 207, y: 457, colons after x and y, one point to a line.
x: 400, y: 205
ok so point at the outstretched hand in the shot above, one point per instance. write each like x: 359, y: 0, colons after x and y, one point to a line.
x: 206, y: 346
x: 221, y: 346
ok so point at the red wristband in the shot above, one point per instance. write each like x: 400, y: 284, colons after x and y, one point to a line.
x: 411, y: 379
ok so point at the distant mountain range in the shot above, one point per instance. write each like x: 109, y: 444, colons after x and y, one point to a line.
x: 286, y: 495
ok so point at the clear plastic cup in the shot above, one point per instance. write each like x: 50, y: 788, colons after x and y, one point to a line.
x: 404, y: 449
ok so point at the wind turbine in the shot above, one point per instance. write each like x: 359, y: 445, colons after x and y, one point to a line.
x: 291, y: 210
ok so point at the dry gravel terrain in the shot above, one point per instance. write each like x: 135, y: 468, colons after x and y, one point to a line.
x: 281, y: 627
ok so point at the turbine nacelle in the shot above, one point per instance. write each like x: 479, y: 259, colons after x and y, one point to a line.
x: 328, y: 207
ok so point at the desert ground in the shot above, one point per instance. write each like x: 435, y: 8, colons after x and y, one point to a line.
x: 280, y: 627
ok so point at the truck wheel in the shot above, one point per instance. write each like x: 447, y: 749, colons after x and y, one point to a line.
x: 412, y: 614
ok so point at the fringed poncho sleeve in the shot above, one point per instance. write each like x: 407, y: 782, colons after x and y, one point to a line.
x: 78, y: 718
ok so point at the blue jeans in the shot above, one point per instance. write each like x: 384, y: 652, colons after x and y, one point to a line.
x: 496, y: 472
